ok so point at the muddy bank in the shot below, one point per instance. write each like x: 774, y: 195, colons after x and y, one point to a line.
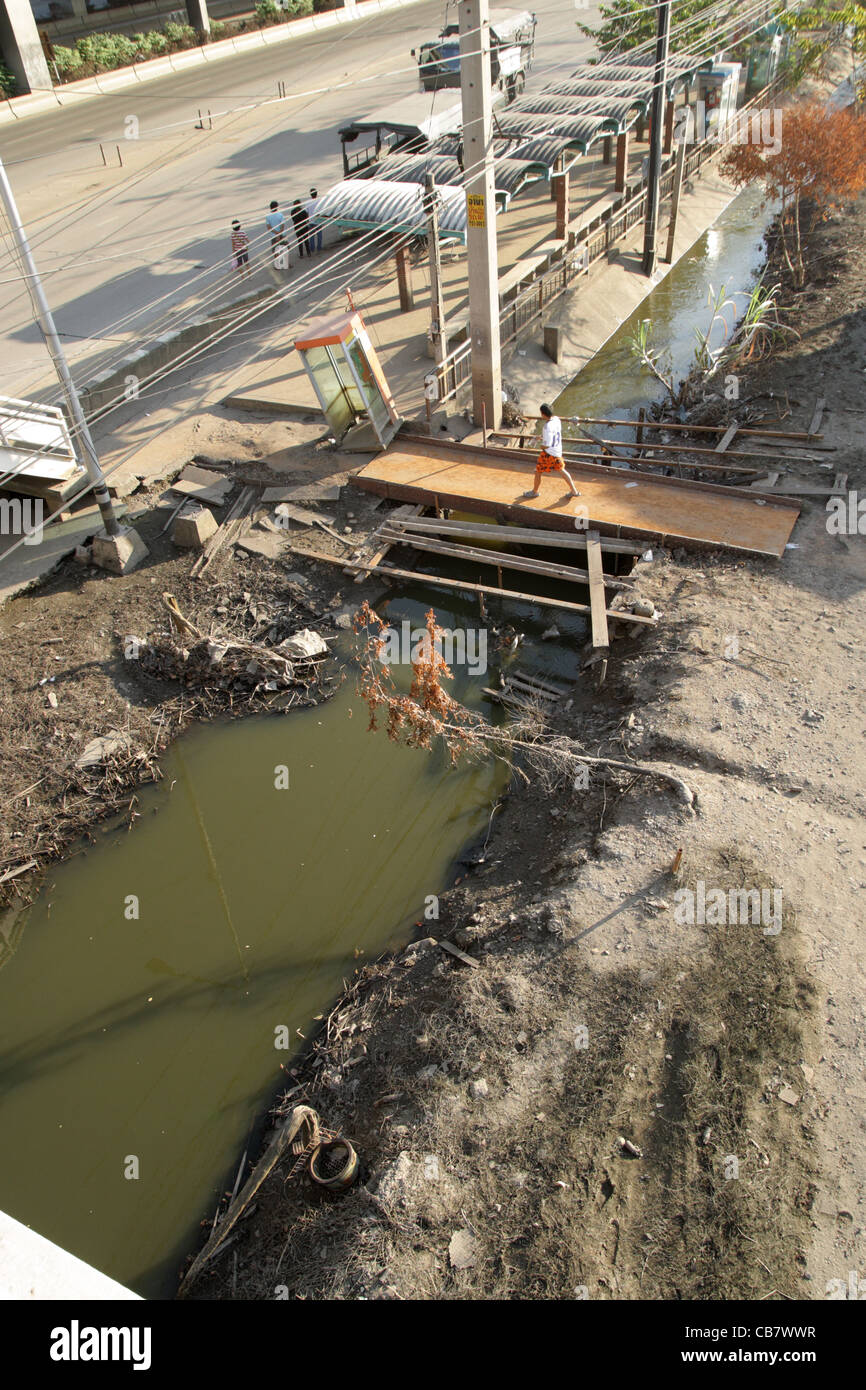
x: 489, y: 1104
x: 70, y: 672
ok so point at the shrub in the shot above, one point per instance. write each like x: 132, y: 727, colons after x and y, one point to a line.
x: 8, y: 85
x: 268, y: 12
x: 68, y: 61
x: 182, y: 34
x: 218, y: 30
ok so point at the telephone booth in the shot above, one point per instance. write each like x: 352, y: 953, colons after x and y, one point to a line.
x: 348, y: 380
x: 718, y: 91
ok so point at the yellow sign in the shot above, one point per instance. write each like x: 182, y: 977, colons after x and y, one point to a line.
x: 475, y: 210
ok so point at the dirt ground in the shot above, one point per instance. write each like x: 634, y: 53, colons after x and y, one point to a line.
x: 490, y: 1105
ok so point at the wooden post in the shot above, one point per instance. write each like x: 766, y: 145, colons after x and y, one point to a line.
x: 621, y: 177
x: 404, y: 276
x: 561, y: 187
x: 669, y: 128
x: 607, y: 149
x: 675, y: 200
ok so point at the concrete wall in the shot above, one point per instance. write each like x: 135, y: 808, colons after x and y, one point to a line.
x: 21, y: 46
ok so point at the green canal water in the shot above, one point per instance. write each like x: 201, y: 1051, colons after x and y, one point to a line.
x: 614, y: 384
x: 154, y: 1039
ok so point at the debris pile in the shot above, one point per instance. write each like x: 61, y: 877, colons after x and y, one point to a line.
x: 236, y: 666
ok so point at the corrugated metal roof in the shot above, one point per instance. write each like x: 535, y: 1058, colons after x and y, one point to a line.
x: 367, y: 204
x: 546, y: 149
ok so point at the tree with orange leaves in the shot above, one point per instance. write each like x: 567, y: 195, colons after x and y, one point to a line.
x: 820, y: 164
x: 429, y: 715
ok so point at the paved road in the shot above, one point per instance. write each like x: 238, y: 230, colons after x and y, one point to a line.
x: 127, y: 252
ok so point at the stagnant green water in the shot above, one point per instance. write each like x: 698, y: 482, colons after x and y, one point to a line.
x: 614, y: 384
x: 153, y: 1038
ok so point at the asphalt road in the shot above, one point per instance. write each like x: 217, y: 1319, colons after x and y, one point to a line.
x: 126, y: 253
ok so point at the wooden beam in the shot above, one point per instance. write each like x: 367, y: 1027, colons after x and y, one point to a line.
x: 727, y: 437
x: 600, y: 638
x: 518, y: 535
x: 624, y: 616
x: 502, y: 560
x: 816, y: 418
x: 404, y: 512
x: 676, y: 427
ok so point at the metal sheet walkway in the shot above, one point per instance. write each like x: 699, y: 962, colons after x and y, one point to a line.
x: 619, y: 501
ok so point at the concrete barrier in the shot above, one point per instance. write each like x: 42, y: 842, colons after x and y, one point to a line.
x: 19, y: 108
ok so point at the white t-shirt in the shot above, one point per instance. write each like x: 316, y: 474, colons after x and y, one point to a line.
x: 551, y: 437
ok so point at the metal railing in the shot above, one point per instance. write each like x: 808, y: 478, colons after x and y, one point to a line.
x: 455, y: 370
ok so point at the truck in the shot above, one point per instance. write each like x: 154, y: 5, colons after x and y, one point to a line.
x: 512, y: 42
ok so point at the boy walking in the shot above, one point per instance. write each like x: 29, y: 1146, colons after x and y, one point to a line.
x: 240, y: 249
x: 550, y: 459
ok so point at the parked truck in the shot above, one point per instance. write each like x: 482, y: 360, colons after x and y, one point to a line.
x: 512, y: 42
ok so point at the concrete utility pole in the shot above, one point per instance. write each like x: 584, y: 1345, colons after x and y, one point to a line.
x: 120, y: 549
x: 481, y: 258
x: 438, y: 336
x: 22, y: 48
x: 655, y: 155
x: 196, y: 13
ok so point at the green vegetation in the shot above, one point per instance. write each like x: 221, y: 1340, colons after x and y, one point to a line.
x: 817, y: 29
x: 8, y: 85
x: 628, y: 23
x: 105, y: 52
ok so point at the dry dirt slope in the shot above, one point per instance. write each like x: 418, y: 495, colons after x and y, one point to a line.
x: 733, y: 1058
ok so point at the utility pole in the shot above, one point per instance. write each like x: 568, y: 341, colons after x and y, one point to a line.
x: 482, y: 265
x: 437, y: 303
x: 122, y: 548
x: 655, y: 155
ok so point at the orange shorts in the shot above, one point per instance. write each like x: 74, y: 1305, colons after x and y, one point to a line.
x: 548, y: 463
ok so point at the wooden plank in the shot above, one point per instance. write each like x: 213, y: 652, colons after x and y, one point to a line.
x: 600, y: 637
x: 727, y: 437
x: 520, y: 535
x: 816, y: 418
x: 676, y: 427
x: 540, y: 694
x: 231, y: 525
x: 304, y: 515
x: 460, y: 955
x: 545, y: 684
x: 435, y: 579
x: 502, y: 559
x: 404, y: 513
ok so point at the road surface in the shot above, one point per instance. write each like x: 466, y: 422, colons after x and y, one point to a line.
x: 127, y: 253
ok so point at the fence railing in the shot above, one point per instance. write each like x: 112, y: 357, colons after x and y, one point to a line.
x: 590, y: 246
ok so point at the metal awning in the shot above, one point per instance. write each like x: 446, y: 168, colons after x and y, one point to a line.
x: 370, y: 204
x: 509, y: 175
x: 546, y: 150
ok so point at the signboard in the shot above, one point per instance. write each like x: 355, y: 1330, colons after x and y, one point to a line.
x: 475, y: 210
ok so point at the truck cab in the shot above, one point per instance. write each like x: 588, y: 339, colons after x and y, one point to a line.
x: 512, y: 43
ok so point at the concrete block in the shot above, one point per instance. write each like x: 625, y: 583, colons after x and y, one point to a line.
x: 193, y: 526
x: 118, y: 554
